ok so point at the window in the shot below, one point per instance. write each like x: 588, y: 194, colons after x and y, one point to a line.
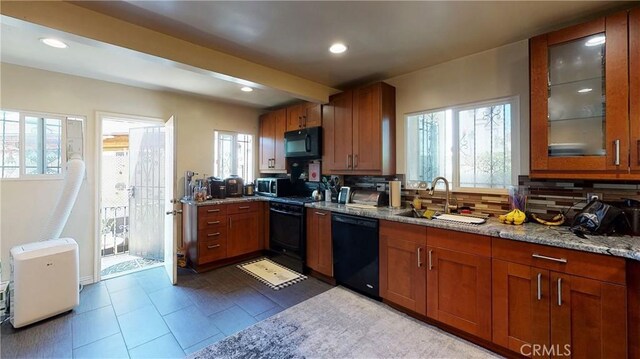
x: 32, y: 143
x: 469, y: 145
x: 233, y: 155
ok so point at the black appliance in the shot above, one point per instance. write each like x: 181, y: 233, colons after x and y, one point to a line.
x: 274, y: 186
x: 356, y: 253
x: 287, y: 234
x: 216, y: 187
x: 234, y: 185
x: 304, y: 143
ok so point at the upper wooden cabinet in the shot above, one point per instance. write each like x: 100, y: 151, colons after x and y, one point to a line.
x: 303, y: 115
x: 634, y: 89
x: 272, y: 128
x: 579, y: 80
x: 359, y: 131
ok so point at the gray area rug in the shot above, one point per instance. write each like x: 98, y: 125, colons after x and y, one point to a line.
x: 341, y: 324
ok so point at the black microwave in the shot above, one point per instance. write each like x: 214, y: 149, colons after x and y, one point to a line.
x: 304, y: 143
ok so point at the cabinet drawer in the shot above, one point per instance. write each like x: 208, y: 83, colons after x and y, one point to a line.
x: 213, y: 210
x: 243, y: 207
x: 209, y: 251
x: 590, y: 265
x: 211, y: 222
x: 459, y: 241
x: 210, y: 234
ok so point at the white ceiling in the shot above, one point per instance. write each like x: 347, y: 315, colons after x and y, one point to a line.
x: 385, y: 39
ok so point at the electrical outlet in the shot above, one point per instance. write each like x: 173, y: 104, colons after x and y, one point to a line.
x: 593, y: 195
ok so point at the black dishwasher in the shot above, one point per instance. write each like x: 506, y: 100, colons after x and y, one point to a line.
x: 355, y: 253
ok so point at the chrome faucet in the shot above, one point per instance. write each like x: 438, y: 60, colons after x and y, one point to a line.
x: 446, y: 186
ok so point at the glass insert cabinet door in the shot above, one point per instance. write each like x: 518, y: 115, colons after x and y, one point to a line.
x: 579, y: 97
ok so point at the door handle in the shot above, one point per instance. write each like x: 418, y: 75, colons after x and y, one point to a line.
x: 174, y: 212
x: 539, y: 286
x: 304, y: 121
x: 355, y: 161
x: 299, y: 121
x: 430, y: 259
x: 559, y: 292
x: 616, y: 145
x: 419, y: 255
x: 320, y: 213
x: 348, y: 161
x: 540, y: 256
x: 173, y: 200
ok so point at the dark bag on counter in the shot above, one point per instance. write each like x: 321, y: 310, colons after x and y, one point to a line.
x: 600, y: 218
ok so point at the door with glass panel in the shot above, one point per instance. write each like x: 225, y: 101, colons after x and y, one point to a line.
x: 579, y: 100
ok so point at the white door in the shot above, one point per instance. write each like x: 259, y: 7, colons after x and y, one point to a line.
x: 171, y: 219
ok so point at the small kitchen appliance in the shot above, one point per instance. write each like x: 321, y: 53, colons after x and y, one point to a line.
x: 234, y: 185
x: 216, y: 187
x: 249, y: 189
x: 344, y: 196
x: 274, y: 186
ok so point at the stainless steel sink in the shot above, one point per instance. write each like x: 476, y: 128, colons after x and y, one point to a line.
x: 462, y: 219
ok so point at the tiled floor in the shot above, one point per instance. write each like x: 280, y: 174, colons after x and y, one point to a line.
x: 142, y: 315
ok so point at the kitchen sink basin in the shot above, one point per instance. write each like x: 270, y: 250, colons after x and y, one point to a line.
x: 463, y: 219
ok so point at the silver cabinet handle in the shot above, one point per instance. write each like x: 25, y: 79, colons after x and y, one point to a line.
x: 355, y: 161
x: 213, y: 246
x: 616, y: 144
x: 244, y: 207
x: 430, y: 259
x: 213, y: 210
x: 559, y: 292
x: 320, y: 213
x: 214, y: 222
x: 540, y: 256
x: 213, y: 234
x: 539, y: 286
x: 419, y: 257
x: 348, y: 160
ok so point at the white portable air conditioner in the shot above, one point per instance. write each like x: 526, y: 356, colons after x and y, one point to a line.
x: 44, y: 280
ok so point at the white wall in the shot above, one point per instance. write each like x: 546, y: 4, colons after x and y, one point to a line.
x: 26, y: 204
x: 499, y: 72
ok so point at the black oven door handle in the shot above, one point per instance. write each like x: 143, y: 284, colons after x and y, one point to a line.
x: 307, y: 143
x: 286, y: 212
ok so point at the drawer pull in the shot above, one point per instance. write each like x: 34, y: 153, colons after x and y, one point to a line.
x: 320, y: 213
x: 430, y: 259
x: 419, y: 257
x: 214, y: 222
x: 540, y: 256
x: 559, y: 292
x: 213, y: 210
x: 213, y: 246
x: 244, y: 207
x: 539, y: 286
x: 213, y: 234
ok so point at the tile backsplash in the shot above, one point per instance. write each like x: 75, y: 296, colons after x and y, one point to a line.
x: 544, y: 196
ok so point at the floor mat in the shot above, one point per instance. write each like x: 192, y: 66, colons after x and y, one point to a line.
x: 137, y: 263
x: 271, y: 274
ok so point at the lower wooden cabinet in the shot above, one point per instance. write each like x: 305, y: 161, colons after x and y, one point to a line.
x: 459, y: 280
x: 319, y: 245
x: 402, y: 265
x: 243, y: 234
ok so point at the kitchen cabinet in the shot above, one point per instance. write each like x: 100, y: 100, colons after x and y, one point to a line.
x: 272, y: 128
x: 580, y: 101
x: 214, y: 233
x: 319, y: 245
x: 303, y: 115
x: 559, y: 299
x: 634, y: 89
x: 459, y: 280
x: 359, y: 131
x: 403, y: 278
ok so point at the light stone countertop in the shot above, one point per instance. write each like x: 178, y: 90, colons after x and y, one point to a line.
x: 619, y: 246
x: 226, y: 200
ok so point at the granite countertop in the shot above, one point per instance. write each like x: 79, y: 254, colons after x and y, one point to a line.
x: 620, y: 246
x: 226, y: 200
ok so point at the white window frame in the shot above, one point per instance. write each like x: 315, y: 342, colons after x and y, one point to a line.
x: 217, y: 171
x: 514, y: 101
x: 22, y: 175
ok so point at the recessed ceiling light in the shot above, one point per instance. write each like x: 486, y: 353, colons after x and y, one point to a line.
x: 54, y: 43
x: 585, y: 90
x: 338, y: 48
x: 246, y: 89
x: 596, y: 40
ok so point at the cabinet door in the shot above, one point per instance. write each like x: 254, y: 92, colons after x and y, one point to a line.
x: 312, y: 240
x: 588, y: 317
x: 312, y: 116
x: 294, y: 117
x: 325, y: 247
x: 634, y: 87
x: 402, y: 267
x: 366, y: 129
x: 338, y: 138
x: 242, y: 235
x: 459, y: 290
x: 579, y: 100
x: 267, y: 140
x: 280, y: 119
x: 520, y: 306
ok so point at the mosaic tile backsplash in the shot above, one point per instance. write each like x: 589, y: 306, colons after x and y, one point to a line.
x: 543, y: 196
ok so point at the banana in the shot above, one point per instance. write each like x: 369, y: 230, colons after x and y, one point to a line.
x: 514, y: 217
x: 556, y: 220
